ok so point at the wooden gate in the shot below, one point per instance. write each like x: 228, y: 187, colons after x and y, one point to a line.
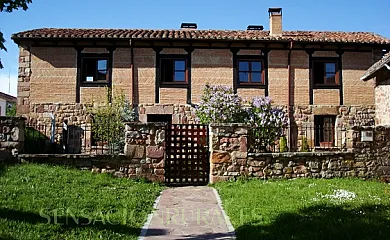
x: 187, y: 155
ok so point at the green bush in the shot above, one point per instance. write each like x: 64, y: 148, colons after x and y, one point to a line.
x: 108, y: 121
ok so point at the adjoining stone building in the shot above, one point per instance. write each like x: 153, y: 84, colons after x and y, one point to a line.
x: 380, y: 71
x: 314, y: 75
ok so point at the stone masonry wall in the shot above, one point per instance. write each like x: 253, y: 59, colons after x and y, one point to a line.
x: 181, y: 113
x: 382, y: 102
x: 229, y: 157
x: 24, y: 77
x: 145, y: 148
x: 347, y: 116
x: 11, y: 137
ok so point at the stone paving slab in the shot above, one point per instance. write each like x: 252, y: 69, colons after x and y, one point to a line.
x: 189, y: 213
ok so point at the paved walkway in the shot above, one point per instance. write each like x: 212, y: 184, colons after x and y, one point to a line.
x: 188, y: 213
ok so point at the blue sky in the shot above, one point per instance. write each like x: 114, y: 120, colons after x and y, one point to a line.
x: 330, y: 15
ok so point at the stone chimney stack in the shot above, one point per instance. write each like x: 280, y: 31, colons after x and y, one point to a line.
x: 275, y: 21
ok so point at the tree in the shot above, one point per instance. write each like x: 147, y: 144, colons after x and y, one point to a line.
x: 11, y: 110
x: 9, y: 6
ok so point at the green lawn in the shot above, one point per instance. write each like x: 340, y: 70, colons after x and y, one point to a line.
x: 308, y: 209
x: 52, y: 202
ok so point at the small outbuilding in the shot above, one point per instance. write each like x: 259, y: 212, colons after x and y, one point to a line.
x: 381, y: 72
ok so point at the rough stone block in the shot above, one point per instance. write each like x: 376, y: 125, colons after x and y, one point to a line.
x: 160, y: 164
x: 220, y: 157
x: 159, y: 171
x: 359, y: 165
x: 255, y: 163
x: 241, y: 162
x: 278, y: 166
x: 233, y: 168
x: 254, y: 169
x: 288, y: 170
x: 155, y: 152
x: 134, y: 151
x: 301, y: 169
x: 313, y: 165
x: 326, y: 110
x: 239, y: 155
x: 243, y: 144
x: 241, y: 131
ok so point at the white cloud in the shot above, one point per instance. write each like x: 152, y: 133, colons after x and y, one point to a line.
x: 8, y: 83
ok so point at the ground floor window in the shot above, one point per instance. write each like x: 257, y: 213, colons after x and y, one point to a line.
x: 324, y: 126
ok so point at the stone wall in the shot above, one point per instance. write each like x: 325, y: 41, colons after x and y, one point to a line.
x: 181, y: 113
x: 118, y: 166
x: 11, y: 137
x: 145, y: 148
x: 382, y: 102
x: 143, y: 157
x: 347, y: 116
x: 364, y: 158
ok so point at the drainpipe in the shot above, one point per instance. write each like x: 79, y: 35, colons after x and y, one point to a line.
x: 290, y: 113
x: 133, y: 98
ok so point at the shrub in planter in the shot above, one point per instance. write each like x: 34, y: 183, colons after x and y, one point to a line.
x: 283, y: 144
x: 305, y: 145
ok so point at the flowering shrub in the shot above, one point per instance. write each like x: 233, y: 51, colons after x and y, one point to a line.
x: 267, y: 122
x: 219, y: 104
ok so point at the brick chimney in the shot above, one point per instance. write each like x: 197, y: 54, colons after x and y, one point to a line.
x: 275, y: 21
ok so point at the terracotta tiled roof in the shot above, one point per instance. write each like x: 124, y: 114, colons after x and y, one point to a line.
x: 231, y: 35
x: 376, y: 67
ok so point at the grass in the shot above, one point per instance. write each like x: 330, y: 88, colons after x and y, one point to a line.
x: 308, y: 209
x: 53, y: 202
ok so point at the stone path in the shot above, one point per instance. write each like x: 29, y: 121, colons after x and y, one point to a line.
x: 188, y: 213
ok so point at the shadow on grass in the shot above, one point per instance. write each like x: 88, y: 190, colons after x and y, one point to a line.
x: 67, y: 222
x: 4, y: 165
x: 324, y: 222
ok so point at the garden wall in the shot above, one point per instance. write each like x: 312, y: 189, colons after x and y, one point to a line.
x: 11, y: 137
x: 143, y: 155
x: 229, y: 157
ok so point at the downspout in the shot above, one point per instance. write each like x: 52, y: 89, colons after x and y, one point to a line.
x: 133, y: 98
x: 290, y: 112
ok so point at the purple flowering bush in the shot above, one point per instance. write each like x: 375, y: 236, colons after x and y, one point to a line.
x: 219, y: 104
x: 267, y: 122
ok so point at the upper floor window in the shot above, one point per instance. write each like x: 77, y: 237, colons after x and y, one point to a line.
x: 174, y: 70
x: 250, y: 72
x: 325, y: 72
x: 95, y: 68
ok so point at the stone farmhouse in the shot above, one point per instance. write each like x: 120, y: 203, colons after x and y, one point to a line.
x: 314, y: 75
